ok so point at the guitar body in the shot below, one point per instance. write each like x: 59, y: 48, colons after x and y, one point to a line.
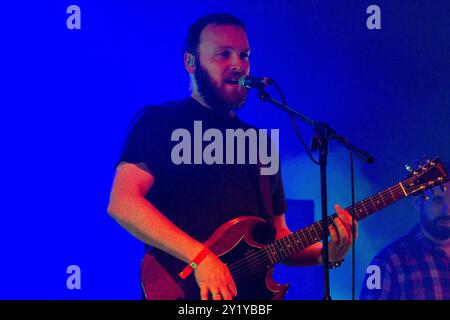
x: 231, y: 242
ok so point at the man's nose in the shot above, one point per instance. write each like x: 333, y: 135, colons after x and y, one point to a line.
x: 237, y: 64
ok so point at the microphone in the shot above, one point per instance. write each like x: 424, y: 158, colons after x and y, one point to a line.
x: 249, y: 82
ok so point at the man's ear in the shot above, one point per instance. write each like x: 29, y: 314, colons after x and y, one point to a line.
x: 189, y: 62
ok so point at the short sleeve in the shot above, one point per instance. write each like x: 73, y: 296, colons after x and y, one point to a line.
x: 141, y: 143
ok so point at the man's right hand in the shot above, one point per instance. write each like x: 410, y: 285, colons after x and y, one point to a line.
x: 213, y: 276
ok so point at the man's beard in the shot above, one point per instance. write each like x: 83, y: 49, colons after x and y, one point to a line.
x: 435, y: 228
x: 215, y: 95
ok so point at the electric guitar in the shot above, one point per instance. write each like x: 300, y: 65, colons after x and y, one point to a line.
x: 251, y: 262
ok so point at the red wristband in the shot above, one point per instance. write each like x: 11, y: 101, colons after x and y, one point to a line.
x: 194, y: 263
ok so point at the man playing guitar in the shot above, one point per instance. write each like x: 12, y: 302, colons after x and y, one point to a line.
x: 175, y: 208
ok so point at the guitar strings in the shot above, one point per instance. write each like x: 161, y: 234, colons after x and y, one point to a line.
x: 249, y: 271
x: 258, y: 263
x: 255, y: 261
x: 316, y: 228
x: 261, y: 253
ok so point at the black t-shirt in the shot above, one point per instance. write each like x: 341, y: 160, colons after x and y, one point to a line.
x: 198, y: 198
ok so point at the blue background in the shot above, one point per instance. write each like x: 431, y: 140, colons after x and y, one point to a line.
x: 67, y: 97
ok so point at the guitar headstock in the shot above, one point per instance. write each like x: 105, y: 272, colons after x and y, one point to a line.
x: 427, y: 176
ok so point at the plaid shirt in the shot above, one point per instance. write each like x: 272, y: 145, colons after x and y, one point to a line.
x: 412, y: 268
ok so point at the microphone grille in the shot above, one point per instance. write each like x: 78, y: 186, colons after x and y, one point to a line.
x: 242, y: 82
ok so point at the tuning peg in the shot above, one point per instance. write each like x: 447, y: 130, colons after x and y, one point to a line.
x: 443, y: 188
x: 409, y: 168
x: 425, y: 197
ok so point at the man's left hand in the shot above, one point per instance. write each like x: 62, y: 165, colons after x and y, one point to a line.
x: 341, y: 235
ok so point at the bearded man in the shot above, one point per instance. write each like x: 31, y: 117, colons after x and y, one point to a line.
x: 416, y: 267
x: 175, y: 208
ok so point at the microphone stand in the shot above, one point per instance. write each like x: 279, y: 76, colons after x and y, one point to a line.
x: 324, y: 133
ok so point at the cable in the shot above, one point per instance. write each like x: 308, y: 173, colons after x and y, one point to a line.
x: 352, y: 182
x: 294, y: 124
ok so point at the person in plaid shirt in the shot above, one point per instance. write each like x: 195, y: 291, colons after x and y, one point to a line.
x: 416, y: 267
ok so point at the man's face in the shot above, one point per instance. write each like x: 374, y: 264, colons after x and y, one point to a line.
x: 223, y: 58
x: 435, y: 214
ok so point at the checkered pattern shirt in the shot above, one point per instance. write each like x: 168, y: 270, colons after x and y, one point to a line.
x: 412, y: 268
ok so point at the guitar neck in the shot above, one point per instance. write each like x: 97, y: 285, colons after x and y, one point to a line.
x: 297, y: 241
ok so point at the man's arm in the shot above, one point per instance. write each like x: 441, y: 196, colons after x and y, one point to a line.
x: 131, y: 210
x: 341, y: 240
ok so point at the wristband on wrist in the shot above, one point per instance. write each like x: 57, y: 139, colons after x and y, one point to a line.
x: 336, y: 264
x: 194, y: 263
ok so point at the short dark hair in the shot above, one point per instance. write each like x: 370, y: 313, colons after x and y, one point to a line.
x: 193, y: 35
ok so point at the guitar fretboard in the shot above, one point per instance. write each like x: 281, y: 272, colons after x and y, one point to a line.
x: 297, y: 241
